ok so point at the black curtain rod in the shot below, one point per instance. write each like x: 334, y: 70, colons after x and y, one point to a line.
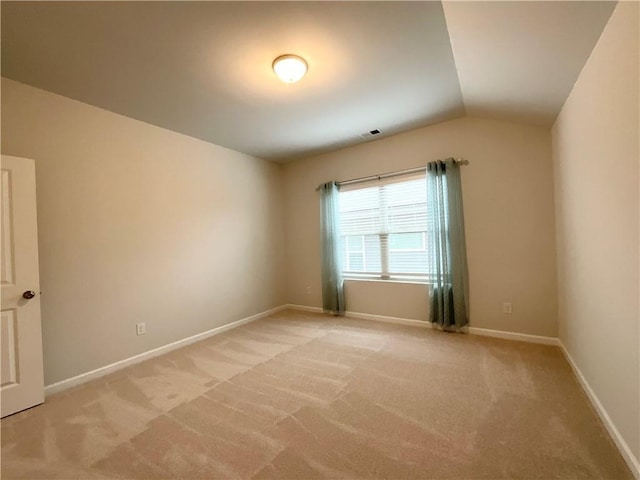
x: 459, y: 161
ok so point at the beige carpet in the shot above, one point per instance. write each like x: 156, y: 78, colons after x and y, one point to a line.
x: 309, y: 396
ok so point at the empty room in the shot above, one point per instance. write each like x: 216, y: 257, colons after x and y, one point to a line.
x: 295, y: 240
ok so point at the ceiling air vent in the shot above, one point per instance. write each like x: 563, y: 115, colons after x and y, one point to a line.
x: 370, y: 133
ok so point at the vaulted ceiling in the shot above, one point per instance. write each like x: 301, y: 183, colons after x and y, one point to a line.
x: 204, y: 68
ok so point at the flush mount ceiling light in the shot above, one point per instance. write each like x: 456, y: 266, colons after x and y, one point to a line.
x: 290, y: 68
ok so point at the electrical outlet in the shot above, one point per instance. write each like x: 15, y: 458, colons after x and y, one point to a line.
x: 141, y: 328
x: 507, y: 308
x: 308, y: 290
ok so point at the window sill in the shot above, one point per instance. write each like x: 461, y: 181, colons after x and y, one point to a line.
x: 387, y: 280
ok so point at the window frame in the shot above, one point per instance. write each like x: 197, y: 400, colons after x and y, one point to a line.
x: 385, y: 249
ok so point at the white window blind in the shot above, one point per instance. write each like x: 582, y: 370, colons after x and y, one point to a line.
x: 383, y: 229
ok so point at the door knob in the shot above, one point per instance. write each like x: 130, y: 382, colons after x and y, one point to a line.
x: 29, y: 294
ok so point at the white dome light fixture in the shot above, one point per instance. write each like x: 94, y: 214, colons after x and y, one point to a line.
x: 290, y: 68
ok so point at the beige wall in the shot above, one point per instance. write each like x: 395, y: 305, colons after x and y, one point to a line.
x: 137, y: 223
x: 508, y: 201
x: 390, y: 299
x: 595, y: 150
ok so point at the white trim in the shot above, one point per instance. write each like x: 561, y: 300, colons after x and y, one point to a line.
x: 617, y: 438
x: 520, y: 337
x: 102, y: 371
x: 485, y: 332
x: 364, y: 316
x: 378, y: 278
x: 303, y: 308
x: 382, y: 318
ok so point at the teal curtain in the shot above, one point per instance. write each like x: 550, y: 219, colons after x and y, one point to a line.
x: 446, y: 246
x: 332, y: 282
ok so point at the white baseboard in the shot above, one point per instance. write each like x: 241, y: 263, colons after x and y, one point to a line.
x: 521, y: 337
x: 364, y: 316
x: 625, y: 451
x: 102, y: 371
x: 382, y: 318
x: 485, y: 332
x: 303, y: 308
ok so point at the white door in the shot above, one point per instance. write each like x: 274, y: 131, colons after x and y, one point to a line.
x: 20, y: 336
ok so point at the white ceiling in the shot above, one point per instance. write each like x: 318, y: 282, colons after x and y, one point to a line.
x: 519, y: 60
x: 204, y: 68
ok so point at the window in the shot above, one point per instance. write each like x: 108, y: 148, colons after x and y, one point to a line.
x: 383, y: 228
